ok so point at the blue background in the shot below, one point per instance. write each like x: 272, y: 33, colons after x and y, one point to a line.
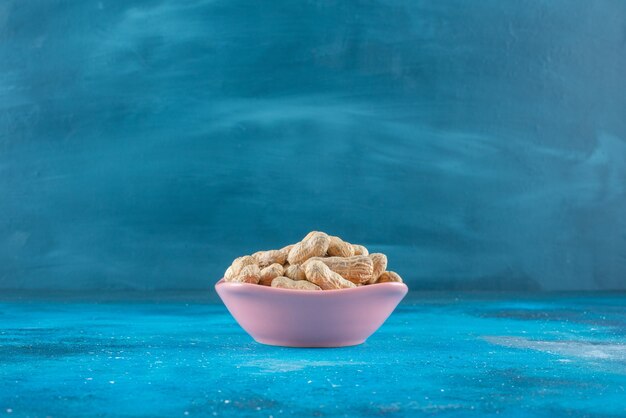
x: 144, y: 144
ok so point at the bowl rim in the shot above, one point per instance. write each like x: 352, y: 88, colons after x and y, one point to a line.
x: 257, y: 287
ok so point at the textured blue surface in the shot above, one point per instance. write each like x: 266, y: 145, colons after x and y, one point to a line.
x: 146, y: 143
x: 508, y: 355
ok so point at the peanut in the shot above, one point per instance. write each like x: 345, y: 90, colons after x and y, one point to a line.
x: 380, y: 264
x: 310, y: 234
x: 389, y: 276
x: 315, y: 244
x: 267, y: 258
x: 287, y: 283
x: 359, y: 250
x: 233, y: 271
x: 228, y: 274
x: 339, y: 248
x: 295, y: 272
x: 318, y: 262
x: 287, y: 248
x: 249, y: 274
x: 357, y: 269
x: 319, y: 274
x: 269, y: 273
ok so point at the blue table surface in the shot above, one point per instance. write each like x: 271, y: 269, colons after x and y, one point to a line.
x: 438, y: 354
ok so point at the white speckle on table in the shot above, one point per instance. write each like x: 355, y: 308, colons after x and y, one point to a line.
x: 589, y: 350
x: 281, y: 366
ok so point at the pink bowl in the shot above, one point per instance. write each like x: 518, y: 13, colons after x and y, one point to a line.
x: 306, y: 318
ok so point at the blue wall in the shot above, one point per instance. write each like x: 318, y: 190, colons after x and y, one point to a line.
x: 144, y: 144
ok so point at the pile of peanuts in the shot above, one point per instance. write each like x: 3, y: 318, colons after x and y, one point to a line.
x: 318, y: 262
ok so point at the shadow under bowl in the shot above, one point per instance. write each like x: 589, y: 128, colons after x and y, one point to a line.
x: 305, y: 318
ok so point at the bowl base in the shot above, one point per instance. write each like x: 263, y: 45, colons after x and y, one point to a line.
x: 279, y: 343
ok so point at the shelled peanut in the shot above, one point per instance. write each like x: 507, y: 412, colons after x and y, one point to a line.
x: 318, y: 262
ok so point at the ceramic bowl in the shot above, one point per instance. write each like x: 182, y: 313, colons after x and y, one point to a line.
x: 307, y: 318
